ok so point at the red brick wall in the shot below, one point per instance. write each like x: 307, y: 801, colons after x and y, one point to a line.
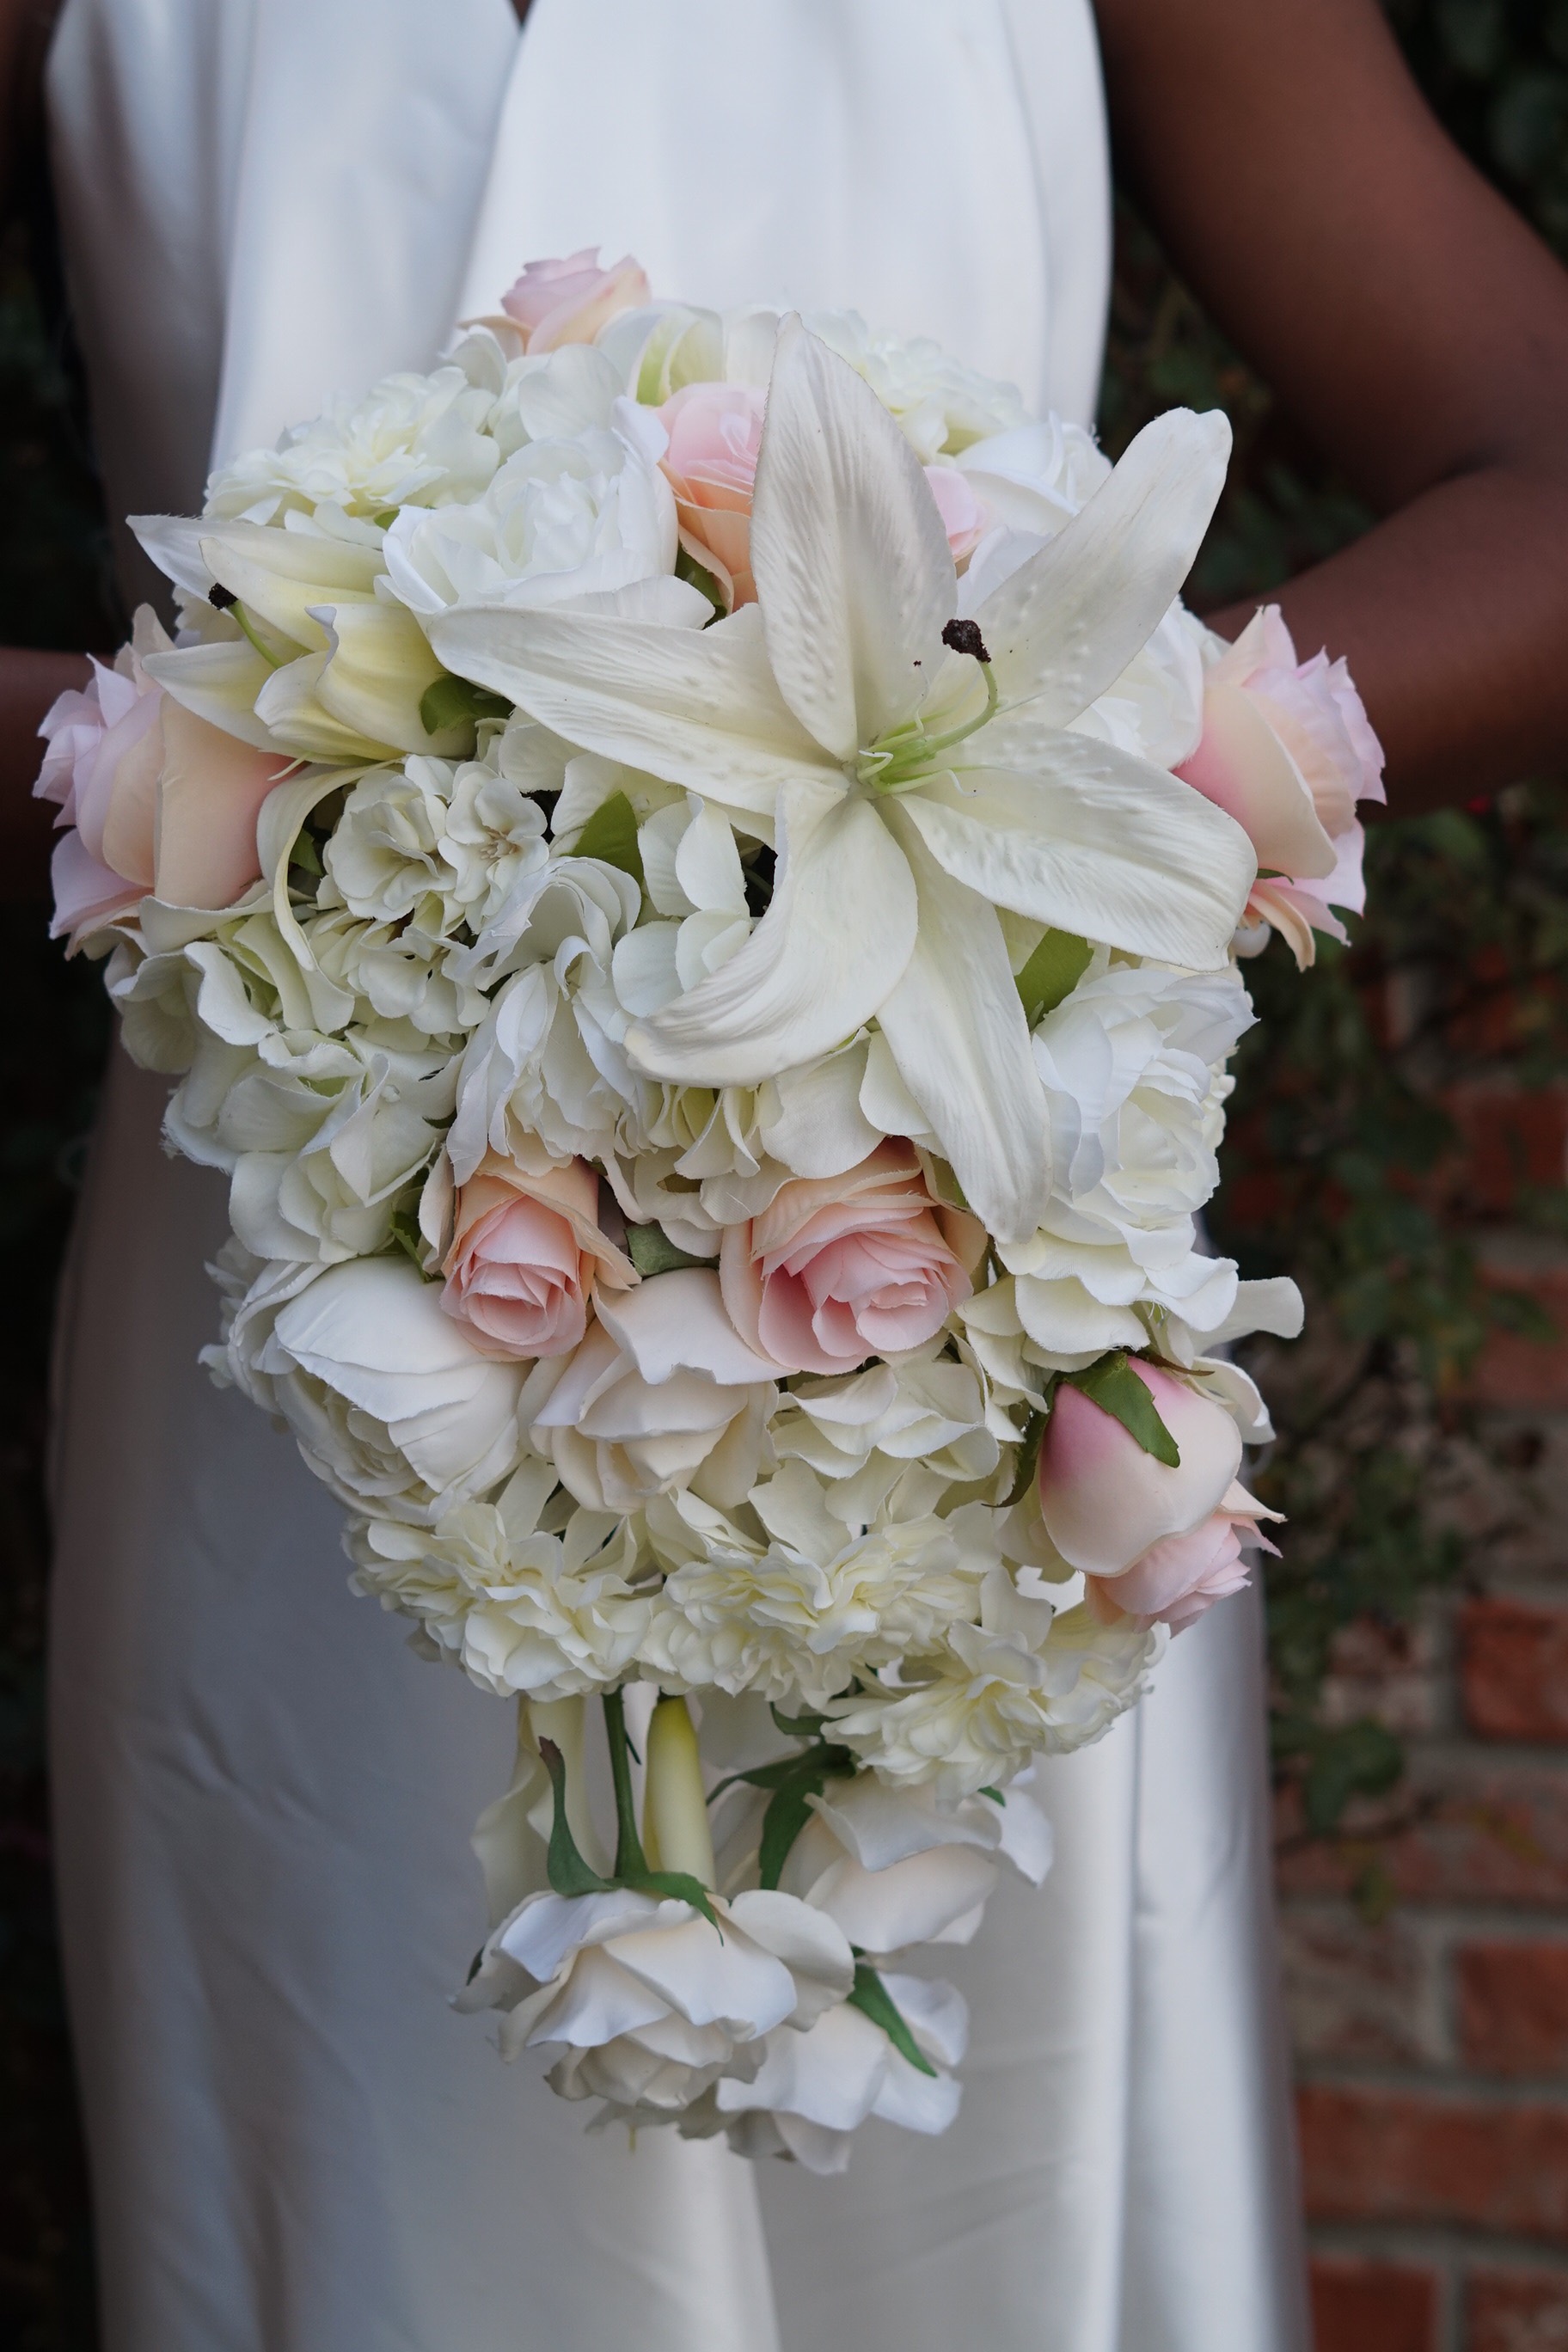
x: 1426, y: 1947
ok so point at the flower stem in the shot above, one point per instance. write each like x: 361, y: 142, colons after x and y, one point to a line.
x: 630, y: 1860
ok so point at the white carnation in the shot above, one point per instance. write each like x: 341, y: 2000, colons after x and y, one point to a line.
x: 523, y: 1611
x: 804, y: 1604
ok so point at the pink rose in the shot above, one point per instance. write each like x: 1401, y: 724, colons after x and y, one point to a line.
x: 1288, y: 751
x: 526, y: 1255
x: 153, y: 799
x: 1182, y: 1576
x: 568, y: 300
x: 715, y: 432
x: 715, y: 435
x: 839, y: 1268
x: 1105, y: 1500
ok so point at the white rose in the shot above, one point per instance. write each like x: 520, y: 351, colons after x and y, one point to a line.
x: 813, y: 2090
x: 523, y: 1612
x: 652, y: 2002
x: 661, y: 1392
x: 941, y: 406
x: 391, y: 1406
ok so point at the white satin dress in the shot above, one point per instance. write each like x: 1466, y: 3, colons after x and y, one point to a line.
x: 263, y: 1800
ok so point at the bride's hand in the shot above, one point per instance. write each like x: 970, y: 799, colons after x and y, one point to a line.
x: 1410, y: 323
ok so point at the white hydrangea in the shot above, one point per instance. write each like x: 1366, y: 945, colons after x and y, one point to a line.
x: 435, y: 842
x: 410, y: 439
x: 521, y: 1609
x: 896, y: 1438
x: 804, y: 1605
x: 941, y: 405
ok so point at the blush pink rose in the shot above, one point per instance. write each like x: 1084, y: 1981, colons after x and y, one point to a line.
x: 1288, y: 751
x: 568, y: 300
x: 715, y: 432
x: 840, y: 1268
x: 1179, y: 1578
x: 715, y: 437
x: 152, y: 798
x: 526, y: 1256
x: 1104, y: 1500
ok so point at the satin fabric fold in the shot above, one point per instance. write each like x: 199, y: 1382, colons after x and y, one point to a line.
x: 263, y: 1801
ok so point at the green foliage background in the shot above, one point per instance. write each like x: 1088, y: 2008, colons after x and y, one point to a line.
x: 1334, y: 1170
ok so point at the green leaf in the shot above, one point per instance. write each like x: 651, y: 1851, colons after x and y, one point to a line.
x: 405, y: 1233
x: 651, y: 1251
x: 676, y: 1884
x: 456, y: 701
x: 799, y: 1726
x: 611, y: 835
x: 1052, y: 972
x: 790, y: 1810
x: 1028, y: 1458
x: 568, y: 1873
x: 1116, y: 1389
x: 994, y: 1794
x: 386, y: 518
x: 686, y: 568
x: 1355, y: 1759
x: 872, y: 1998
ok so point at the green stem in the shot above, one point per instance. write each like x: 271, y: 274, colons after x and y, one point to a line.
x: 269, y: 658
x: 630, y: 1860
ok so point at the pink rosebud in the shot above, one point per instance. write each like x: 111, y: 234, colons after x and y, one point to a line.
x: 153, y: 799
x: 526, y: 1255
x: 1105, y: 1500
x: 1288, y: 751
x: 568, y: 300
x: 839, y: 1268
x: 715, y: 437
x: 1182, y: 1576
x: 715, y: 432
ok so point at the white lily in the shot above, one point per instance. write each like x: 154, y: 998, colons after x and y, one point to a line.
x: 911, y: 789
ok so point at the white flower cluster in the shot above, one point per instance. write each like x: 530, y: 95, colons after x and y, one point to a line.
x: 716, y: 1024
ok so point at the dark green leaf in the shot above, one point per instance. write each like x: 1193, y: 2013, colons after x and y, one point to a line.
x: 1354, y: 1759
x: 457, y: 702
x: 1116, y: 1389
x: 1028, y: 1458
x: 790, y: 1809
x: 569, y: 1874
x: 676, y: 1884
x: 871, y: 1997
x: 611, y: 835
x: 1052, y: 972
x: 652, y: 1251
x: 687, y: 568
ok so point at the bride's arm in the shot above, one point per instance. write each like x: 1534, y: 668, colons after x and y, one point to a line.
x: 29, y: 679
x: 1411, y: 324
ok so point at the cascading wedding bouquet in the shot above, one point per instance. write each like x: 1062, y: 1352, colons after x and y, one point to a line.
x: 690, y: 869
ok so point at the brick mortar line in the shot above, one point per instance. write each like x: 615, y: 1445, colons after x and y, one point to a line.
x: 1459, y: 2088
x: 1439, y: 1918
x: 1449, y: 2249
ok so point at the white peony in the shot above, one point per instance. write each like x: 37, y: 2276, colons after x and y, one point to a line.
x: 1132, y: 1066
x: 391, y: 1406
x: 522, y: 1610
x: 561, y: 519
x: 662, y: 1392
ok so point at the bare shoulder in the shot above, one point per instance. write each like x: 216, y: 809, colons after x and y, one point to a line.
x: 1292, y: 167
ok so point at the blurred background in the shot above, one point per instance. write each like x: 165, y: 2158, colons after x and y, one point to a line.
x: 1398, y: 1142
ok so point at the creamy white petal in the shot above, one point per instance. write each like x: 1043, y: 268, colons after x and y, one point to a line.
x: 957, y: 1032
x: 696, y: 706
x: 854, y: 573
x: 832, y: 946
x: 1074, y: 833
x: 1065, y: 625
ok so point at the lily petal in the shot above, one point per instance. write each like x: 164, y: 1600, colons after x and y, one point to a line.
x: 830, y: 949
x: 1074, y: 833
x: 698, y: 706
x: 956, y: 1029
x: 1064, y: 627
x: 854, y: 573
